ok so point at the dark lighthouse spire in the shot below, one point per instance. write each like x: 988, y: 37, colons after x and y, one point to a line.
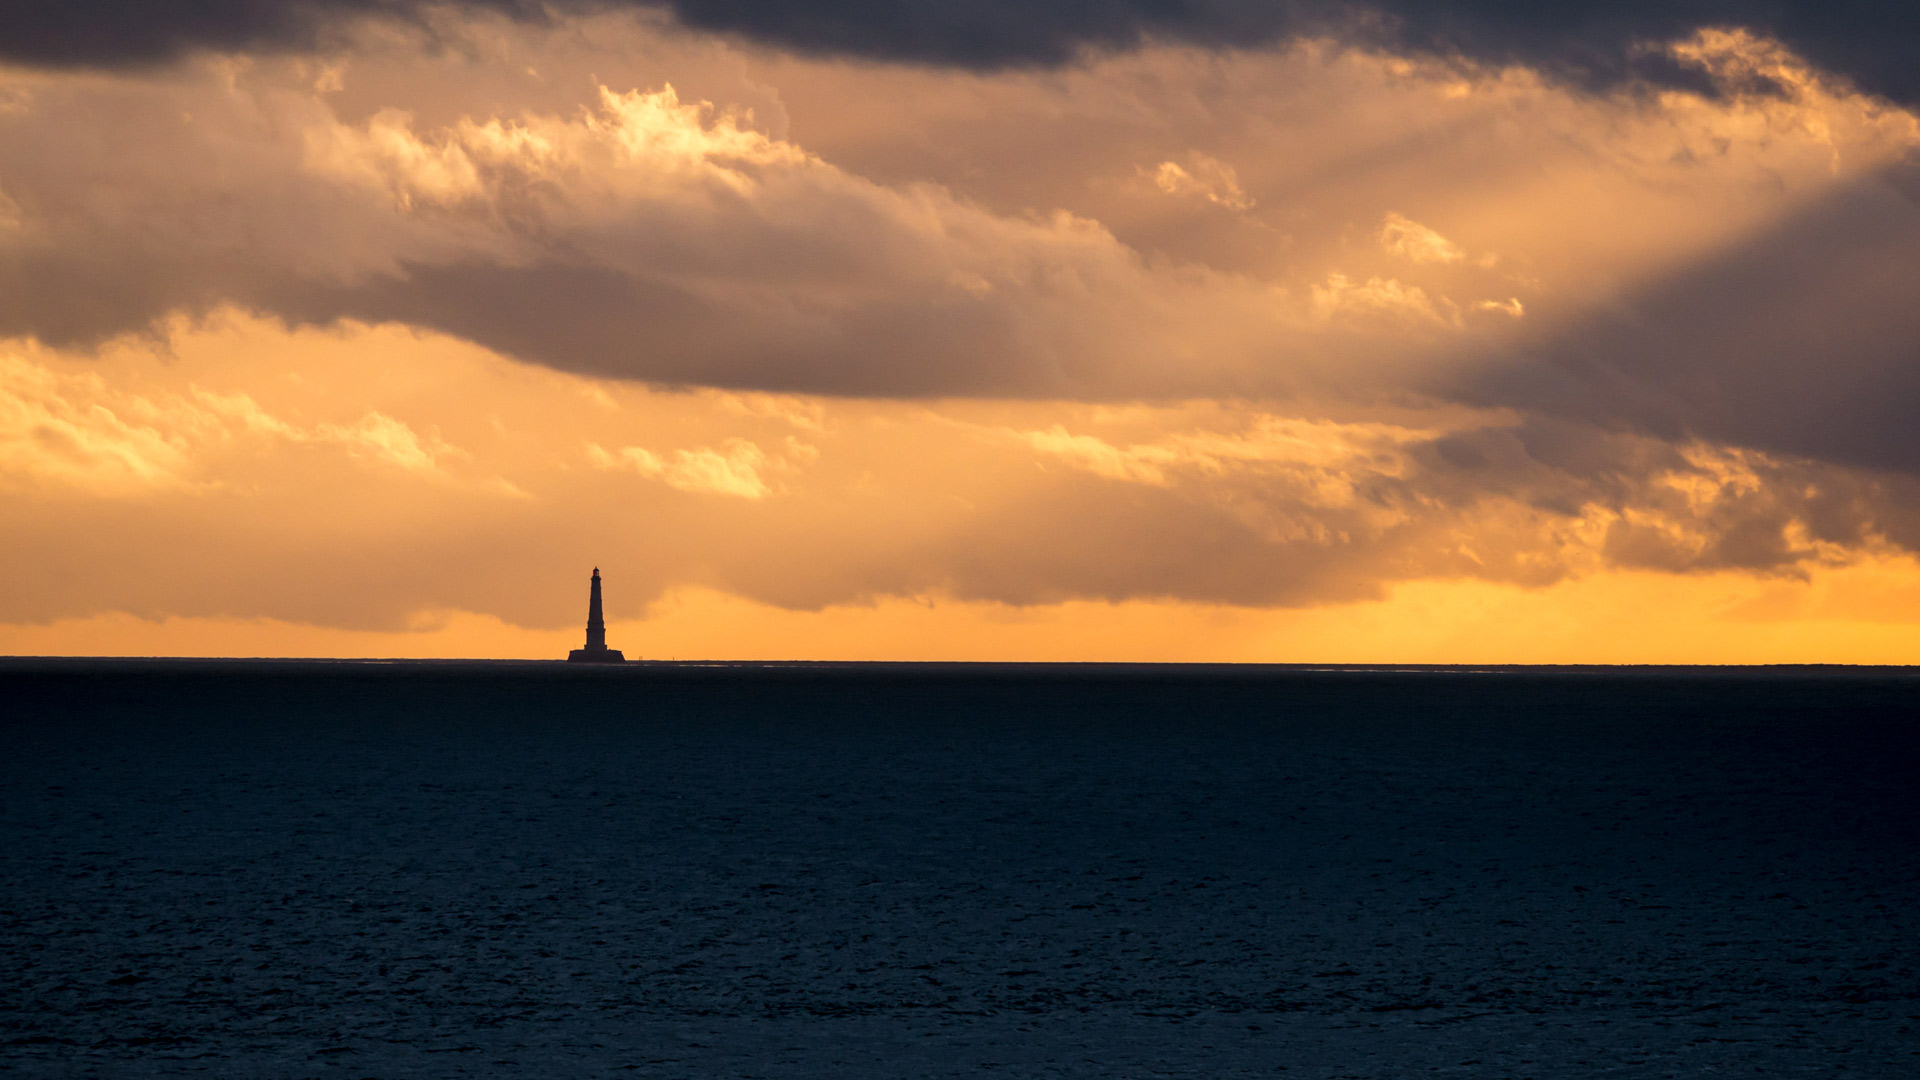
x: 596, y: 651
x: 596, y: 625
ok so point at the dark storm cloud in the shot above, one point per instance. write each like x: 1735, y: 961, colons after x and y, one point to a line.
x: 603, y: 322
x: 133, y: 32
x: 578, y: 318
x: 1875, y: 42
x: 1804, y: 340
x: 111, y: 32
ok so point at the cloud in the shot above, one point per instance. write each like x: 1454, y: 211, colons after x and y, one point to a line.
x: 734, y: 471
x: 639, y: 232
x: 1410, y: 240
x: 1874, y: 44
x: 680, y: 245
x: 1214, y: 181
x: 1376, y: 296
x: 644, y: 237
x: 1320, y: 463
x: 382, y: 438
x: 1871, y: 43
x: 68, y: 431
x: 430, y: 321
x: 304, y: 495
x: 56, y: 430
x: 1803, y: 339
x: 330, y: 311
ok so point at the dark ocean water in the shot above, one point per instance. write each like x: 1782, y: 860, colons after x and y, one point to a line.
x: 330, y: 869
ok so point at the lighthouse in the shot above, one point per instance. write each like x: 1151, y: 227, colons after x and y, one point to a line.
x: 596, y: 651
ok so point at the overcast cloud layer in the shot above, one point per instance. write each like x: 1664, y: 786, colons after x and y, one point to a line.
x: 1874, y: 42
x: 439, y: 312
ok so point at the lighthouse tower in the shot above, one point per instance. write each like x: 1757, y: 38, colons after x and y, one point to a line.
x: 596, y: 651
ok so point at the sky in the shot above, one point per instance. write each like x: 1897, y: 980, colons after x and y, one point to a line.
x: 1456, y: 332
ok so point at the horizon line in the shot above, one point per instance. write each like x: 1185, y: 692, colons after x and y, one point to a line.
x: 18, y: 661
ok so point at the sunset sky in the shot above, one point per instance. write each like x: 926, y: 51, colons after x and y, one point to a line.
x: 1240, y: 331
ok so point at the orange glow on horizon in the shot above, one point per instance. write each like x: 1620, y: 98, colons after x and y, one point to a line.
x: 1865, y: 614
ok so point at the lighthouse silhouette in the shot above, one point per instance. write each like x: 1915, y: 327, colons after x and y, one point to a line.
x: 596, y: 651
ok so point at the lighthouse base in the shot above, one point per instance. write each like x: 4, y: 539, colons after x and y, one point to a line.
x: 595, y: 656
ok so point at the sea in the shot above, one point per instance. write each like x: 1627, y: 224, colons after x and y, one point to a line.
x: 272, y: 869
